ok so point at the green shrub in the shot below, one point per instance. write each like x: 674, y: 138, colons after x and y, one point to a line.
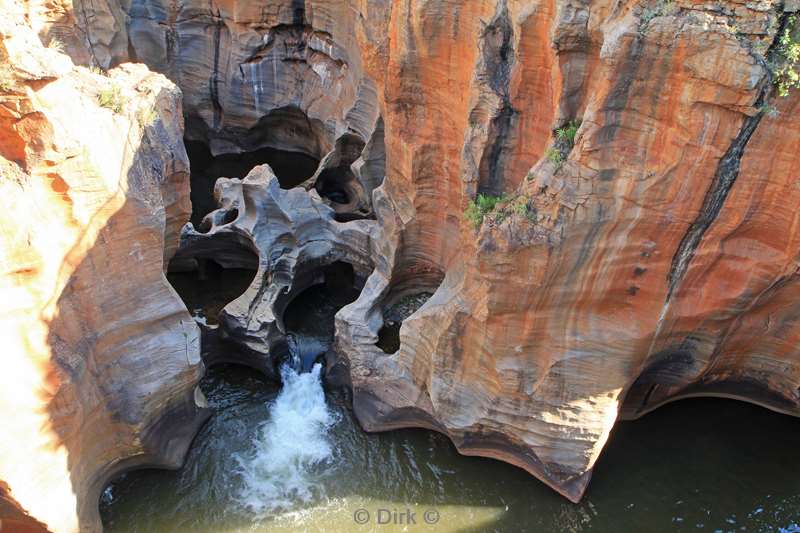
x: 499, y: 208
x: 480, y: 207
x: 555, y: 156
x: 146, y: 116
x: 785, y: 73
x: 567, y: 133
x: 111, y: 98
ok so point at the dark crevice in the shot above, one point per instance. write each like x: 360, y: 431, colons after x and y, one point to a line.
x: 207, y: 289
x: 291, y: 168
x: 498, y: 59
x: 492, y: 166
x: 395, y: 311
x: 213, y: 82
x: 724, y: 178
x: 308, y: 311
x: 331, y: 184
x: 338, y: 184
x: 298, y: 12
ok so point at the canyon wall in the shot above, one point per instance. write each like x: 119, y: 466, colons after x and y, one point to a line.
x: 100, y: 357
x: 647, y: 255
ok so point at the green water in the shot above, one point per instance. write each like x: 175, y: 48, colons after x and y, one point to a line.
x: 705, y: 464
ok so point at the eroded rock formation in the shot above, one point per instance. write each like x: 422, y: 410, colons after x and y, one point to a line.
x: 648, y: 255
x: 100, y: 357
x: 291, y: 235
x: 629, y: 264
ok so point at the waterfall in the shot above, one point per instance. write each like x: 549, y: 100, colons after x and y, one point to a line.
x: 277, y: 475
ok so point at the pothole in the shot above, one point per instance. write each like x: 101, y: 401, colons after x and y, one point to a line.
x: 206, y: 285
x: 393, y: 317
x: 308, y: 311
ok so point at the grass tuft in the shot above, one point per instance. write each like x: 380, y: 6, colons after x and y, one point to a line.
x: 480, y: 207
x: 111, y: 98
x: 785, y: 67
x: 56, y: 45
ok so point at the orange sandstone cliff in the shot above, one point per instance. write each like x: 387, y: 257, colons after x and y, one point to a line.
x: 100, y: 357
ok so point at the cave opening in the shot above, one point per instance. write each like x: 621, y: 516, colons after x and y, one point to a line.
x: 332, y: 184
x: 207, y: 284
x: 308, y: 311
x: 338, y: 184
x: 291, y: 168
x: 393, y: 317
x: 410, y: 292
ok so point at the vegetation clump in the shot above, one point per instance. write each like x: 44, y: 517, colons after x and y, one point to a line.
x: 146, y: 116
x: 555, y: 156
x: 567, y: 132
x: 658, y: 9
x: 480, y: 207
x: 499, y: 208
x: 785, y: 66
x: 56, y: 45
x: 7, y: 81
x: 565, y: 141
x: 111, y: 98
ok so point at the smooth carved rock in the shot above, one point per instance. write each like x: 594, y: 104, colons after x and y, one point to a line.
x: 101, y: 358
x: 290, y: 235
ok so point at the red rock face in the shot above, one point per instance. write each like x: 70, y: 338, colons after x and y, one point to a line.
x: 101, y: 358
x: 632, y: 274
x: 652, y: 257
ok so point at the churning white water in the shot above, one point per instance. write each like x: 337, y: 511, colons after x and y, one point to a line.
x: 279, y: 472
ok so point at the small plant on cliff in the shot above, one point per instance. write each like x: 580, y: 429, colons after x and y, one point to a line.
x: 56, y: 45
x: 480, y: 207
x: 6, y: 80
x: 522, y: 207
x: 567, y: 132
x: 786, y: 65
x: 769, y: 110
x: 658, y: 9
x: 111, y: 98
x: 146, y: 116
x: 555, y: 156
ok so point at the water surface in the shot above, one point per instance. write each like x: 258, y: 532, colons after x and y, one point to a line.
x: 703, y: 464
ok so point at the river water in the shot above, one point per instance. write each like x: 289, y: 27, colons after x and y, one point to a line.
x: 287, y: 460
x: 292, y: 459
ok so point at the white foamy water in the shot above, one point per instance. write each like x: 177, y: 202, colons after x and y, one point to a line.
x: 278, y: 474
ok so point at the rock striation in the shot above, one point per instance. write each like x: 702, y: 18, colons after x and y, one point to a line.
x: 645, y: 248
x: 101, y: 358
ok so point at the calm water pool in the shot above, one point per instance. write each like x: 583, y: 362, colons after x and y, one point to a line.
x: 707, y: 464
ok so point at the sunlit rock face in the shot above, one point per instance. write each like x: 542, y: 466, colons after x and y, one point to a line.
x: 652, y: 256
x: 100, y: 357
